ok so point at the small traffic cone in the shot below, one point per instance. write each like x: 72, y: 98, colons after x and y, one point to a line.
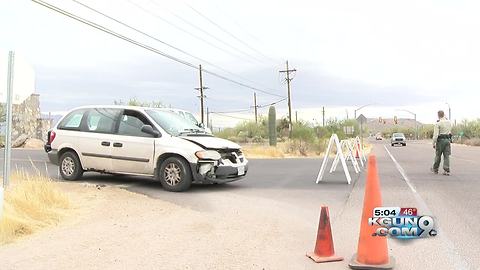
x: 356, y: 150
x: 372, y: 250
x: 324, y: 251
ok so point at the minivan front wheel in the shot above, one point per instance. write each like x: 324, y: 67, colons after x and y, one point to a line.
x: 175, y: 174
x: 69, y: 166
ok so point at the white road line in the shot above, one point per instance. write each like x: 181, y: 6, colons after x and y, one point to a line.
x: 402, y: 172
x: 25, y: 160
x: 458, y: 261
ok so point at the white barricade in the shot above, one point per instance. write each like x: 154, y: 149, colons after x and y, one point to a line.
x: 339, y: 156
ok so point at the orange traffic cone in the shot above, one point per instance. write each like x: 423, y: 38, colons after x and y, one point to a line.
x: 372, y: 250
x: 324, y: 251
x: 356, y: 150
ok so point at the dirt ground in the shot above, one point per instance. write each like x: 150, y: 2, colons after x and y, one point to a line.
x: 111, y: 228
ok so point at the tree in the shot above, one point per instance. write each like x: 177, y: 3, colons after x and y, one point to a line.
x: 135, y: 102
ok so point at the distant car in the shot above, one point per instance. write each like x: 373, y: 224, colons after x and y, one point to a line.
x: 398, y: 138
x: 378, y: 137
x: 188, y: 116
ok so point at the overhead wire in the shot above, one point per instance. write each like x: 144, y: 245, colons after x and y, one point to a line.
x: 160, y: 41
x: 228, y: 32
x: 247, y: 110
x: 230, y: 116
x: 186, y: 31
x: 210, y: 35
x: 142, y: 45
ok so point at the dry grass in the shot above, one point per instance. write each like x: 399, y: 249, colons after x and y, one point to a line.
x: 284, y: 150
x: 472, y: 142
x: 31, y: 202
x: 263, y: 151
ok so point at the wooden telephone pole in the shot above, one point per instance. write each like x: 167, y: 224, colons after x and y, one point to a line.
x: 288, y: 79
x: 201, y: 96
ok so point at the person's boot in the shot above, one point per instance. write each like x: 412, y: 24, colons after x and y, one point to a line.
x: 433, y: 171
x: 446, y: 172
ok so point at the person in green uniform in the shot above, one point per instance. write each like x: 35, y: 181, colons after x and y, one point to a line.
x: 442, y: 133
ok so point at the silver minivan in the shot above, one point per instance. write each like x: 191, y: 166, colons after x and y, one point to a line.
x: 142, y: 141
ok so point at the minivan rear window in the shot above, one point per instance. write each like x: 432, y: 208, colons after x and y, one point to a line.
x: 72, y: 120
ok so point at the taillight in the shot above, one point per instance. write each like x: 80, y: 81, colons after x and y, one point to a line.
x: 51, y: 136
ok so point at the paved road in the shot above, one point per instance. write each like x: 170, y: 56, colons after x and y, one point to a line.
x: 405, y: 181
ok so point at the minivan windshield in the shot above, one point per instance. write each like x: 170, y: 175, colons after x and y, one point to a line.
x: 173, y: 123
x: 398, y: 135
x: 191, y: 118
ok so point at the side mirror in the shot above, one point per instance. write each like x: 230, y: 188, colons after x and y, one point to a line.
x: 149, y: 130
x: 201, y: 125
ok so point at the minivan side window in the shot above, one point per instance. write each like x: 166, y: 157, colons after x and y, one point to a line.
x: 72, y: 121
x: 101, y: 120
x: 131, y: 123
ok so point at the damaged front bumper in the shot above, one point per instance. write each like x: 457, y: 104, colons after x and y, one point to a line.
x: 221, y: 171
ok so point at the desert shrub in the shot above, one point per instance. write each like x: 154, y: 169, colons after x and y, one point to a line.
x: 472, y: 141
x: 31, y: 203
x: 302, y: 132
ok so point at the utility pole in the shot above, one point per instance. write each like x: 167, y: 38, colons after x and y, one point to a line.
x: 208, y: 118
x: 288, y: 79
x: 296, y: 116
x: 255, y: 106
x: 202, y: 96
x: 323, y: 116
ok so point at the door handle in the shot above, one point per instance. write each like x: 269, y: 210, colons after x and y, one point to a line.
x: 117, y: 144
x: 106, y: 143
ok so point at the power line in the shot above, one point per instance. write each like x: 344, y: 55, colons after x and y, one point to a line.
x: 226, y: 115
x: 247, y: 110
x: 228, y: 32
x: 210, y: 35
x: 235, y: 111
x: 185, y: 31
x: 142, y: 45
x: 161, y: 41
x: 273, y: 103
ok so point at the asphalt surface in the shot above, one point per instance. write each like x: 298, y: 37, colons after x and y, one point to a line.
x: 405, y: 182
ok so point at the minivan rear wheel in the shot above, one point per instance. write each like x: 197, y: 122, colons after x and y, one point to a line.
x: 175, y: 174
x: 70, y: 166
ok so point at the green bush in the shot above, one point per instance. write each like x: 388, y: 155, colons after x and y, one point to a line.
x: 302, y: 132
x: 247, y: 131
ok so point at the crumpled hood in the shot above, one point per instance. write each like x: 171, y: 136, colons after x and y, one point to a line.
x: 211, y: 142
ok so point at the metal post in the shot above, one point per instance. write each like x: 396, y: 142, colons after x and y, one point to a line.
x: 255, y: 107
x: 416, y: 126
x: 361, y: 132
x: 8, y: 128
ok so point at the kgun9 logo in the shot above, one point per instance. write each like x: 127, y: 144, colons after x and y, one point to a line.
x: 391, y: 221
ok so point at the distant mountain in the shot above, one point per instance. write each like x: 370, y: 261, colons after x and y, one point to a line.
x: 374, y: 126
x: 54, y: 117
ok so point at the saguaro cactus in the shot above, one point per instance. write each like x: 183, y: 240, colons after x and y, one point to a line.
x: 272, y: 126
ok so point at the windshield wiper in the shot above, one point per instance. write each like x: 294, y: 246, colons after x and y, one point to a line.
x: 192, y: 131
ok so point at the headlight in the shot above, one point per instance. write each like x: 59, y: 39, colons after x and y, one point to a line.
x: 208, y: 154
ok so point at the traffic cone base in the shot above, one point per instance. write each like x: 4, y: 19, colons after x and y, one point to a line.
x: 319, y: 259
x: 354, y: 264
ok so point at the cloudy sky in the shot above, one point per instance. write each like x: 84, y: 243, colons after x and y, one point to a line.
x: 414, y: 55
